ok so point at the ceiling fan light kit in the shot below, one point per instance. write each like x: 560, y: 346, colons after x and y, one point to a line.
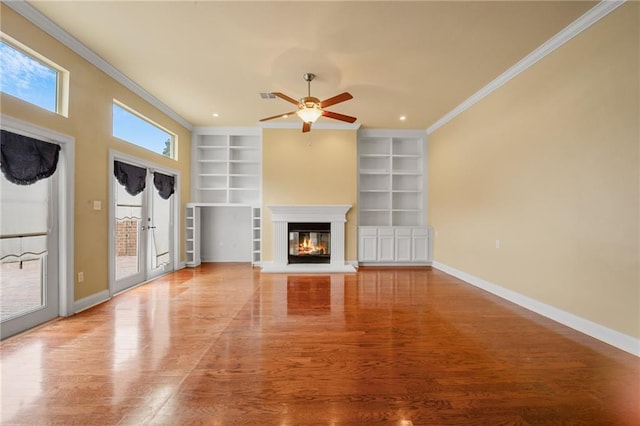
x: 311, y: 108
x: 309, y: 113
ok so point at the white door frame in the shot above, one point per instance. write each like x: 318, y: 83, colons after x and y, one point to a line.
x: 66, y: 189
x: 175, y: 243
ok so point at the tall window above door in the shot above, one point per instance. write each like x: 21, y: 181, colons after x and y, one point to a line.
x: 135, y: 128
x: 29, y: 76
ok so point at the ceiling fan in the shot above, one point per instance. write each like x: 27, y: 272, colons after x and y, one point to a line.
x: 310, y: 108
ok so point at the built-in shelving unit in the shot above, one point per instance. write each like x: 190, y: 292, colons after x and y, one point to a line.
x: 256, y: 222
x: 392, y: 203
x: 227, y: 166
x: 226, y: 172
x: 192, y: 216
x: 392, y: 178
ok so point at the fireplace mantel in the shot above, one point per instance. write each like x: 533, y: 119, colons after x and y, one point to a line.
x: 282, y: 215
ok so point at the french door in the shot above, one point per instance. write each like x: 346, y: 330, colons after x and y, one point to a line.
x: 143, y: 229
x: 29, y: 287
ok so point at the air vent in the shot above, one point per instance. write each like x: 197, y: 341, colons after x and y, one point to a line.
x: 267, y: 95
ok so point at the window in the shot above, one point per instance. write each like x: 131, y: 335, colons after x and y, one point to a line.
x: 133, y: 127
x: 28, y: 76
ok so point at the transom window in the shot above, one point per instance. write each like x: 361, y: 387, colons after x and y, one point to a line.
x: 133, y: 127
x: 31, y: 77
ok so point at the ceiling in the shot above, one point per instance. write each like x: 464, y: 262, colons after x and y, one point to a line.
x: 419, y: 59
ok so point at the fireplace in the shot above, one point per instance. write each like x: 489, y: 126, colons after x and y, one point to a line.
x: 328, y: 229
x: 309, y: 242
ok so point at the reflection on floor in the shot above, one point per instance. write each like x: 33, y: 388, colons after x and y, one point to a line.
x: 224, y: 344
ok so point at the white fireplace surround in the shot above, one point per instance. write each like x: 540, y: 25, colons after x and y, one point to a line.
x: 282, y: 215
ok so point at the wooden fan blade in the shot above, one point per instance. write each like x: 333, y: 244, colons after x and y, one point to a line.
x: 336, y: 99
x: 286, y: 98
x: 340, y: 117
x: 306, y: 127
x: 279, y: 116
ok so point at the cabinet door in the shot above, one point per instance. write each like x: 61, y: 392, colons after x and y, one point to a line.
x: 403, y: 245
x: 420, y: 242
x: 386, y: 243
x: 368, y: 245
x: 368, y: 248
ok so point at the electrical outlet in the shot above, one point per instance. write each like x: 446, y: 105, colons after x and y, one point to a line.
x: 97, y: 205
x: 80, y: 277
x: 497, y: 244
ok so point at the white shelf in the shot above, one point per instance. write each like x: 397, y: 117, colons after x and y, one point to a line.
x: 391, y: 178
x: 227, y: 166
x: 256, y: 221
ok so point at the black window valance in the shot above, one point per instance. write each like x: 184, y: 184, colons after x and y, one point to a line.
x: 25, y: 160
x: 164, y: 184
x: 131, y: 177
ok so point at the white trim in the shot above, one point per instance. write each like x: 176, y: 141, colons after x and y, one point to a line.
x: 225, y: 131
x: 393, y: 133
x: 54, y: 30
x: 177, y: 207
x: 66, y: 206
x: 309, y: 212
x: 614, y: 338
x: 406, y: 264
x: 314, y: 126
x: 599, y: 11
x: 91, y: 301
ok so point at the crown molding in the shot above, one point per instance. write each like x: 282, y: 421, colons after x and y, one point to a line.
x: 393, y: 133
x: 221, y: 130
x: 593, y: 15
x: 47, y: 25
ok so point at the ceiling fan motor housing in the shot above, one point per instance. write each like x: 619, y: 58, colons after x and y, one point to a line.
x: 309, y: 102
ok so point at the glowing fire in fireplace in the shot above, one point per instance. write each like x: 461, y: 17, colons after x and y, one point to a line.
x: 307, y: 247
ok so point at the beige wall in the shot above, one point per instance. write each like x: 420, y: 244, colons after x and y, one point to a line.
x: 549, y: 165
x: 89, y: 122
x: 319, y: 167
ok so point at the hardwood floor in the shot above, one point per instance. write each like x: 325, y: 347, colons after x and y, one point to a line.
x: 223, y: 344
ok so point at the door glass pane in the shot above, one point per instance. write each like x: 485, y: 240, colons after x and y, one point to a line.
x: 128, y: 232
x: 24, y: 218
x: 160, y: 231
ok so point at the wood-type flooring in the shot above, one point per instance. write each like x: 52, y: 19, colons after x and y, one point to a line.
x: 223, y: 344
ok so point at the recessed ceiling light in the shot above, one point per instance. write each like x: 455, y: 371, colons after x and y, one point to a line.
x: 215, y: 114
x: 403, y: 117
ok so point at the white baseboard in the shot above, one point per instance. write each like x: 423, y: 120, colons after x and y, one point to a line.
x: 614, y: 338
x: 91, y: 301
x: 392, y: 264
x: 206, y: 259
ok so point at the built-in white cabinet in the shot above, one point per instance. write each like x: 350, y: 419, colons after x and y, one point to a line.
x: 394, y: 245
x: 192, y: 232
x: 226, y: 165
x: 223, y: 233
x: 391, y: 178
x: 256, y: 223
x: 392, y: 202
